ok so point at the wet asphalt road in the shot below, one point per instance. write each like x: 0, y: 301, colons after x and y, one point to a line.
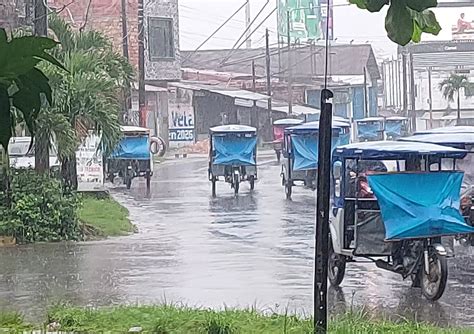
x: 253, y: 250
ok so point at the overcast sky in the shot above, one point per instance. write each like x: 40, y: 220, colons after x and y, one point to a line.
x: 199, y: 18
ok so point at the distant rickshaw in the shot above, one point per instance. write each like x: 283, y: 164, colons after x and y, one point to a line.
x: 233, y: 156
x: 390, y: 208
x: 279, y: 127
x: 370, y: 129
x: 395, y: 127
x: 453, y: 138
x: 300, y: 150
x: 132, y: 157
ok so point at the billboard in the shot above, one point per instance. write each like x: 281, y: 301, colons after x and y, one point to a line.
x: 305, y: 19
x: 90, y: 167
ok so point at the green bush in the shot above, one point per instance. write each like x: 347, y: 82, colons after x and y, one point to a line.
x: 39, y: 210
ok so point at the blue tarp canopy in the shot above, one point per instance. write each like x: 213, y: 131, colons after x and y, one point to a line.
x: 454, y: 139
x: 420, y: 205
x: 448, y: 129
x: 305, y: 150
x: 394, y: 150
x: 137, y: 148
x: 369, y: 128
x: 394, y: 128
x: 234, y: 150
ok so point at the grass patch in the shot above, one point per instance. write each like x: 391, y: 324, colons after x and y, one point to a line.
x: 105, y: 215
x: 12, y: 322
x: 182, y: 320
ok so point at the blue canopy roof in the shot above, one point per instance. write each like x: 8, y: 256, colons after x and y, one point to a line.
x: 450, y: 139
x: 449, y: 129
x: 233, y: 128
x: 288, y: 121
x: 314, y: 126
x: 136, y: 148
x: 395, y: 150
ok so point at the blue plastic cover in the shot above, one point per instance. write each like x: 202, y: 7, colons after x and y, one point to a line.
x: 234, y: 150
x: 454, y: 139
x: 420, y: 205
x: 305, y: 150
x: 137, y: 148
x: 393, y: 128
x: 368, y: 130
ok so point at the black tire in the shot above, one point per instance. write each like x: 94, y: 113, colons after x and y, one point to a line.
x: 434, y: 284
x: 278, y: 154
x: 128, y: 182
x: 336, y: 267
x: 252, y: 182
x: 288, y: 190
x: 214, y: 181
x: 148, y: 180
x: 236, y: 183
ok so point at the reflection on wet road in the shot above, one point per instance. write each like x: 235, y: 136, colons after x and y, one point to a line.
x: 253, y: 250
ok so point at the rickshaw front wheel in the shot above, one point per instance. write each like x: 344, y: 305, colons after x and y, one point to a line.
x: 214, y: 180
x: 336, y: 267
x: 278, y: 154
x: 236, y: 183
x: 128, y: 182
x: 288, y: 190
x: 433, y: 283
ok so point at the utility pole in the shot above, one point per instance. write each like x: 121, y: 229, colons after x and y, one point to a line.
x: 366, y: 99
x: 41, y: 138
x: 268, y: 69
x: 248, y: 19
x: 412, y: 91
x: 404, y: 84
x: 430, y: 97
x: 254, y: 84
x: 127, y: 103
x: 290, y: 70
x: 322, y: 214
x: 141, y: 66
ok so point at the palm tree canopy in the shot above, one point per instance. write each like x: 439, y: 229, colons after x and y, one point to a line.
x: 452, y: 85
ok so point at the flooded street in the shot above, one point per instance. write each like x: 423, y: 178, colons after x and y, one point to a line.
x: 253, y: 250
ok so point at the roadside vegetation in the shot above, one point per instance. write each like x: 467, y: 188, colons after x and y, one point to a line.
x: 105, y: 216
x: 170, y: 319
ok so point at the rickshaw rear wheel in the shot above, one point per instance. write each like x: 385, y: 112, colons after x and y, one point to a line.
x: 434, y: 283
x: 128, y: 182
x: 236, y: 183
x: 336, y: 267
x: 288, y: 190
x: 252, y: 182
x: 278, y: 154
x: 214, y: 181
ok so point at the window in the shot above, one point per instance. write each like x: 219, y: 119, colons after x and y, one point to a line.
x: 160, y: 38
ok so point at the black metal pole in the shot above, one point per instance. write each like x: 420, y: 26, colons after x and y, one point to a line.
x: 322, y: 215
x: 254, y: 84
x: 412, y: 94
x: 141, y: 66
x: 268, y: 69
x: 290, y: 69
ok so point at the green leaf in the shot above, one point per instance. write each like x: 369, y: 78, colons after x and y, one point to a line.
x: 376, y: 5
x: 399, y: 23
x: 426, y: 22
x: 34, y: 46
x: 5, y: 119
x: 362, y: 4
x: 421, y: 5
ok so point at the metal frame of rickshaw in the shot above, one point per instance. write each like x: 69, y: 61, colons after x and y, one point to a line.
x: 248, y: 172
x: 343, y: 244
x: 308, y: 177
x: 145, y: 166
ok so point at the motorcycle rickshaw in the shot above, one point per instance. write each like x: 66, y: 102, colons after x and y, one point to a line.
x: 132, y: 157
x: 233, y: 155
x: 389, y: 207
x: 279, y: 127
x: 300, y: 150
x: 396, y: 127
x: 463, y: 141
x: 370, y: 129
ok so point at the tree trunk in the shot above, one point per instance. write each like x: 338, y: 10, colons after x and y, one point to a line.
x: 69, y: 172
x: 42, y: 153
x: 458, y: 122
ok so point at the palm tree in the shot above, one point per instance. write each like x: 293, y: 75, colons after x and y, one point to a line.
x: 453, y: 85
x: 86, y: 98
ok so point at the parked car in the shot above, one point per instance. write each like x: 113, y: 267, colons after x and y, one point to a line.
x: 21, y: 156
